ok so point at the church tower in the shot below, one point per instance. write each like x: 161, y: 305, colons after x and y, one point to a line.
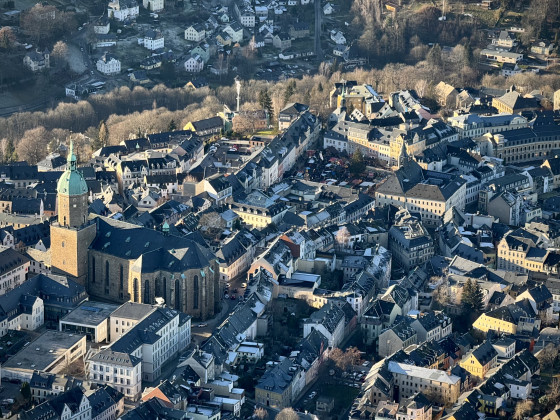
x: 71, y: 236
x: 72, y: 191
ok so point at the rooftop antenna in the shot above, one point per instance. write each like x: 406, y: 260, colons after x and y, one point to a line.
x: 238, y: 87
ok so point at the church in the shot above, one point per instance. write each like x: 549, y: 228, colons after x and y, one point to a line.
x: 120, y: 262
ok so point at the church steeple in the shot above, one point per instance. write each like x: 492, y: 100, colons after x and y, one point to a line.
x: 72, y: 194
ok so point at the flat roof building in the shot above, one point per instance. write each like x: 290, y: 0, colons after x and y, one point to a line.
x: 91, y: 319
x: 51, y: 352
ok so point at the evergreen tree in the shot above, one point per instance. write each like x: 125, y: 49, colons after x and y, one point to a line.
x: 434, y: 56
x: 26, y: 390
x: 469, y: 55
x: 472, y: 296
x: 10, y: 153
x: 103, y: 135
x: 265, y: 102
x: 172, y: 125
x: 290, y: 90
x: 357, y: 164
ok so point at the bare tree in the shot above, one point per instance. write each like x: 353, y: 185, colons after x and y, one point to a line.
x: 547, y: 356
x: 33, y: 146
x: 522, y: 409
x: 260, y: 413
x: 342, y: 238
x: 60, y: 52
x: 287, y: 413
x: 7, y: 38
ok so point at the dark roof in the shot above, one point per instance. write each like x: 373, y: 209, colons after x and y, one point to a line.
x: 156, y: 249
x: 485, y: 353
x: 208, y: 124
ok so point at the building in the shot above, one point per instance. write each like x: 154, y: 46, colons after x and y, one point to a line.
x: 480, y: 360
x: 153, y: 5
x: 409, y: 379
x: 429, y: 193
x: 207, y: 127
x: 108, y: 64
x: 501, y: 56
x: 446, y: 95
x: 36, y: 60
x: 274, y: 388
x: 432, y: 326
x: 282, y: 41
x: 153, y: 40
x: 123, y: 10
x: 154, y: 340
x: 121, y: 370
x: 513, y: 102
x: 126, y: 317
x: 537, y: 142
x: 289, y: 114
x: 70, y: 405
x: 90, y: 318
x: 329, y: 321
x: 195, y: 33
x: 102, y: 255
x: 13, y: 269
x: 396, y: 337
x: 510, y: 319
x: 474, y: 125
x: 102, y: 26
x: 51, y: 352
x: 409, y: 242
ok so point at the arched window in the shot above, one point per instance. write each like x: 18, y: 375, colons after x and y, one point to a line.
x: 147, y: 292
x: 93, y: 269
x: 164, y: 294
x: 135, y: 291
x: 195, y: 292
x: 177, y: 295
x: 106, y: 273
x: 121, y: 277
x: 157, y: 292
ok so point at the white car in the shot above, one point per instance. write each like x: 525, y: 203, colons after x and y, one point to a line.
x: 244, y: 285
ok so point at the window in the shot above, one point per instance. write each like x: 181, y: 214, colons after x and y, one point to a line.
x: 106, y: 273
x: 93, y: 269
x: 177, y: 295
x: 146, y: 291
x: 121, y: 277
x: 157, y: 291
x: 135, y: 291
x: 195, y: 292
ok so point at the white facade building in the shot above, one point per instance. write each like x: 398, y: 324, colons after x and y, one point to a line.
x: 108, y: 64
x: 122, y: 10
x: 154, y: 40
x: 194, y: 64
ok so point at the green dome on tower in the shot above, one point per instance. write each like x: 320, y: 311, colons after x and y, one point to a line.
x: 72, y: 181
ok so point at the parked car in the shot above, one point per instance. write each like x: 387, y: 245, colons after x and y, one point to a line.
x: 244, y: 285
x: 232, y: 297
x: 312, y: 395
